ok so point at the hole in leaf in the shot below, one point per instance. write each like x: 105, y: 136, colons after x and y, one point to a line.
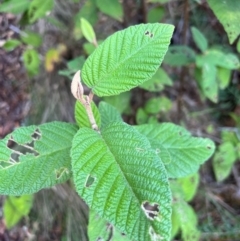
x: 157, y: 151
x: 89, y: 181
x: 209, y: 147
x: 154, y: 235
x: 147, y: 33
x: 180, y: 133
x: 61, y: 171
x: 36, y: 135
x: 151, y: 35
x: 151, y: 210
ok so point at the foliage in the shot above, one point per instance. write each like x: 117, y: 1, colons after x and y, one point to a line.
x: 117, y: 169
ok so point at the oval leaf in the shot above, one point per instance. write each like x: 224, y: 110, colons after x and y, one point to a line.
x: 123, y: 180
x: 40, y: 158
x: 127, y: 58
x: 181, y: 153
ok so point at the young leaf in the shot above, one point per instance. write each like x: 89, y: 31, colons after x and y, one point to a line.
x: 223, y: 161
x: 11, y: 44
x: 189, y: 186
x: 187, y: 220
x: 40, y: 158
x: 179, y: 56
x: 158, y: 104
x: 15, y: 208
x: 31, y: 61
x: 181, y: 153
x: 108, y: 114
x: 88, y: 31
x: 113, y: 8
x: 126, y: 59
x: 31, y: 38
x: 123, y: 180
x: 14, y: 6
x: 228, y: 13
x: 199, y: 39
x: 141, y: 117
x: 39, y: 9
x: 81, y: 116
x: 223, y: 76
x: 157, y: 82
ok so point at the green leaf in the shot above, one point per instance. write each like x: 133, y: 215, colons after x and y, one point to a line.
x: 181, y: 153
x: 81, y: 116
x: 187, y: 220
x: 31, y: 38
x: 157, y: 82
x: 39, y: 159
x: 88, y: 31
x: 123, y: 180
x: 157, y: 104
x: 15, y: 208
x: 223, y: 77
x: 31, y: 61
x: 179, y: 56
x: 155, y: 14
x: 238, y: 45
x: 223, y: 161
x: 228, y: 13
x: 199, y: 39
x: 99, y: 229
x: 87, y: 11
x: 14, y: 6
x: 189, y: 185
x: 11, y: 44
x: 218, y: 58
x: 141, y: 117
x: 121, y: 102
x: 39, y: 9
x: 108, y: 114
x: 113, y: 8
x: 209, y: 83
x: 126, y: 59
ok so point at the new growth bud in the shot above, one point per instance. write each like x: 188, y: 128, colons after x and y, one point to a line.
x: 76, y: 86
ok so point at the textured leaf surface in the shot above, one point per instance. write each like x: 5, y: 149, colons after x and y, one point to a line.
x: 108, y: 114
x: 228, y: 13
x: 99, y: 229
x: 15, y: 208
x: 181, y: 153
x: 81, y: 116
x: 127, y: 58
x: 40, y: 158
x: 199, y: 39
x: 122, y: 179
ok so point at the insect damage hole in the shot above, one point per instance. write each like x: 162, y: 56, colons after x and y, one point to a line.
x: 151, y: 210
x: 154, y: 235
x: 89, y: 181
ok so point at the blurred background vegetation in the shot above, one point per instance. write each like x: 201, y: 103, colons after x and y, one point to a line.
x: 42, y: 44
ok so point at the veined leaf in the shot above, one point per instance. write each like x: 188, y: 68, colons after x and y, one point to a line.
x: 181, y: 153
x: 39, y: 9
x: 81, y: 116
x: 15, y: 208
x: 108, y: 114
x: 126, y: 59
x: 40, y: 158
x: 99, y: 229
x: 14, y: 6
x: 123, y: 180
x: 228, y: 13
x: 199, y: 39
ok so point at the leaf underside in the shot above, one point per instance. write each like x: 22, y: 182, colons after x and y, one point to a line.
x: 127, y: 58
x: 181, y: 153
x: 38, y: 157
x: 117, y: 173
